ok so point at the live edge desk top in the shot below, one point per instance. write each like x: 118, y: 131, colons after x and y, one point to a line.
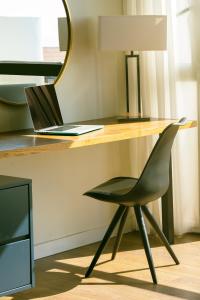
x: 25, y: 142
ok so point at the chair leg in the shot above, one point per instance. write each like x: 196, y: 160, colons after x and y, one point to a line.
x: 119, y: 233
x: 154, y: 224
x: 143, y: 232
x: 107, y: 235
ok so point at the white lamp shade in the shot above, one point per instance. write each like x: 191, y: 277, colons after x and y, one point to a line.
x: 63, y: 33
x: 133, y: 33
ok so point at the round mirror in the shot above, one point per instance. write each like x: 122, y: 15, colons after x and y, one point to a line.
x: 35, y: 44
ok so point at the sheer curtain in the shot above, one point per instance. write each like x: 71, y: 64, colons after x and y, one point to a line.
x: 170, y: 88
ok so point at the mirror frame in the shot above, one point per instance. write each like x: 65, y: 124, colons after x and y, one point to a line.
x: 41, y: 68
x: 69, y: 42
x: 11, y: 68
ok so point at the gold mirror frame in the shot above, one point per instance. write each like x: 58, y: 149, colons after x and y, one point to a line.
x: 67, y: 53
x: 69, y: 42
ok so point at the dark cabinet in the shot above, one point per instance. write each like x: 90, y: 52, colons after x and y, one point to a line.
x: 16, y: 238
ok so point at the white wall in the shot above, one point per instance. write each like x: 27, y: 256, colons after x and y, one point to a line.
x: 91, y: 87
x: 93, y: 82
x: 22, y: 34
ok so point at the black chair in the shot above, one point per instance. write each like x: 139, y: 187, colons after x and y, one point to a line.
x: 132, y: 192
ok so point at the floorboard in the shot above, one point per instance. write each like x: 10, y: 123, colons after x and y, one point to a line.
x: 61, y: 277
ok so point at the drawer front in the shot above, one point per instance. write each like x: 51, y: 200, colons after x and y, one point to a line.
x: 14, y: 265
x: 14, y: 213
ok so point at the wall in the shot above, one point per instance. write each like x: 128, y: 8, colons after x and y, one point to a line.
x: 93, y: 78
x: 91, y: 87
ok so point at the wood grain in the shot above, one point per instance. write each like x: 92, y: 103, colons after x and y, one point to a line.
x: 26, y: 142
x: 61, y: 276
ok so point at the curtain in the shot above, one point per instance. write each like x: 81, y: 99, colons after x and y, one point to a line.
x: 170, y: 89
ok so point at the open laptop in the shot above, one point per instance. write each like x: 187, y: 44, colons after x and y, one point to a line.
x: 46, y: 115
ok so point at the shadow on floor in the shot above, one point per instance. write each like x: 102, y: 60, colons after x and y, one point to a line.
x: 54, y: 275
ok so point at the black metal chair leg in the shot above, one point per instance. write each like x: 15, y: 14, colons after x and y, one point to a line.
x: 119, y: 233
x: 107, y: 235
x: 154, y: 224
x: 143, y: 232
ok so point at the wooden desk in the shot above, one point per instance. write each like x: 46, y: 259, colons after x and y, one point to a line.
x: 26, y: 142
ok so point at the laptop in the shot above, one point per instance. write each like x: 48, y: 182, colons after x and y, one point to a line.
x: 46, y: 115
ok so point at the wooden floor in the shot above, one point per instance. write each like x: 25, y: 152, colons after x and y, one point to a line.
x: 61, y: 277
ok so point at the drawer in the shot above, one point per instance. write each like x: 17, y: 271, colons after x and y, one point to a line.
x: 15, y: 265
x: 14, y: 213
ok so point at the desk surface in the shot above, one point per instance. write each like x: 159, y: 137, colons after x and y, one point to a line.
x: 25, y: 142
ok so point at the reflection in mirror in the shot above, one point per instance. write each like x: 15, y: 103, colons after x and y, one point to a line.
x: 32, y: 43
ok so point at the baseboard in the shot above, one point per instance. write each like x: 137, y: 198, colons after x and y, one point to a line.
x: 73, y: 241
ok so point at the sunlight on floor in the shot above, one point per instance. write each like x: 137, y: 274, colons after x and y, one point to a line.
x: 61, y: 276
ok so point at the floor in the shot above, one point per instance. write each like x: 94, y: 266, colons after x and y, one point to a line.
x: 61, y: 277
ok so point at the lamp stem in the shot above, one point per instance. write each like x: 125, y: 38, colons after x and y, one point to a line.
x: 138, y: 84
x: 132, y: 55
x: 127, y: 84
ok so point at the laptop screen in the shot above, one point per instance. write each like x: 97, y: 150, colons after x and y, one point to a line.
x: 44, y: 107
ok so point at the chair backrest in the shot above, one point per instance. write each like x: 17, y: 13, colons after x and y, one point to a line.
x: 154, y: 180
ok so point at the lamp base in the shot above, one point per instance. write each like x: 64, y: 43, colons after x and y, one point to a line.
x: 133, y: 118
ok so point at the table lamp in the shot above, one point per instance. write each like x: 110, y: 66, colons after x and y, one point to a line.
x: 133, y: 33
x: 63, y: 33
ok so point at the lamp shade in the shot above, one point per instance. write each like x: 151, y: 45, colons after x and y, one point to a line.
x: 63, y: 33
x: 133, y: 33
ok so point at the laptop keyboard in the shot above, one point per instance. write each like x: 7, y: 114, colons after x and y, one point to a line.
x: 64, y: 128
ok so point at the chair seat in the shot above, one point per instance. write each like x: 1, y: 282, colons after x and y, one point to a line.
x: 113, y: 189
x: 127, y: 191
